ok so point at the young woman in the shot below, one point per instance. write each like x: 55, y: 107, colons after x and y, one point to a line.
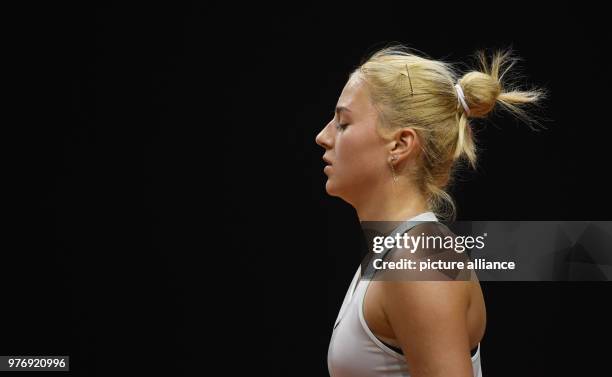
x: 400, y: 129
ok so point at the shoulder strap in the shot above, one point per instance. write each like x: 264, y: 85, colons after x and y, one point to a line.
x: 367, y: 268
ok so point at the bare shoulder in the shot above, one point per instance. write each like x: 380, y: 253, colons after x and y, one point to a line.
x: 429, y: 321
x: 421, y: 297
x: 430, y: 299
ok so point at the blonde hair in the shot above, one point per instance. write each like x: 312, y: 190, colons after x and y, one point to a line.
x: 417, y: 92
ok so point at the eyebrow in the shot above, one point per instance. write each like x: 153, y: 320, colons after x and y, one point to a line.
x: 342, y: 108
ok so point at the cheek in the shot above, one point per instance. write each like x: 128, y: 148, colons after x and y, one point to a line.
x: 358, y: 152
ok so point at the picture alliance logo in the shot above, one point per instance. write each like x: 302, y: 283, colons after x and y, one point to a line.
x: 413, y: 243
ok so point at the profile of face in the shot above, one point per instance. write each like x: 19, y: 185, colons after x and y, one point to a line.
x: 355, y: 153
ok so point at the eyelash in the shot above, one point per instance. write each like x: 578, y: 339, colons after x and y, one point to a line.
x: 341, y: 126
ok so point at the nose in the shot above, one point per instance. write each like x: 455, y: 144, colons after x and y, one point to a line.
x: 324, y: 139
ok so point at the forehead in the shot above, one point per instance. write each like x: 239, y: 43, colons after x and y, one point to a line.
x: 354, y: 95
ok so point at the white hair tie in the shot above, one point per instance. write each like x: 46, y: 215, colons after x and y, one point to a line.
x: 462, y: 98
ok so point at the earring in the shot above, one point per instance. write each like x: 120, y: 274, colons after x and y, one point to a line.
x: 393, y: 159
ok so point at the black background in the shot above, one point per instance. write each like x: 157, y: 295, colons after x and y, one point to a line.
x: 141, y: 130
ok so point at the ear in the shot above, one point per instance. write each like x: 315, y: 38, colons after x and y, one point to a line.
x: 405, y: 143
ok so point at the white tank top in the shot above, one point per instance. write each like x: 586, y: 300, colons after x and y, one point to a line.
x: 354, y: 350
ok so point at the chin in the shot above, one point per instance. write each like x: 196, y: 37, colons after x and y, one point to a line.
x: 329, y: 188
x: 333, y: 189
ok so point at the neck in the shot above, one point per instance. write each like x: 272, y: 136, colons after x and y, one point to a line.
x: 397, y: 201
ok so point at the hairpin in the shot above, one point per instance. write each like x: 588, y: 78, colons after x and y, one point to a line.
x: 409, y: 80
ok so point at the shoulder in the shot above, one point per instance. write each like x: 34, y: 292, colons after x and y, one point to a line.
x: 429, y: 321
x: 428, y: 314
x: 426, y: 299
x: 422, y: 303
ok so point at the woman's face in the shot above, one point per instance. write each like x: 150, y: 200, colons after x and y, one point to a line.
x: 354, y: 151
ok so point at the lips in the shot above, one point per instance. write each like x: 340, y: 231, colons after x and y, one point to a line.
x: 328, y: 166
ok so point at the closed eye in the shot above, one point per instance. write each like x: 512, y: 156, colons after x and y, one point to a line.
x: 341, y: 126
